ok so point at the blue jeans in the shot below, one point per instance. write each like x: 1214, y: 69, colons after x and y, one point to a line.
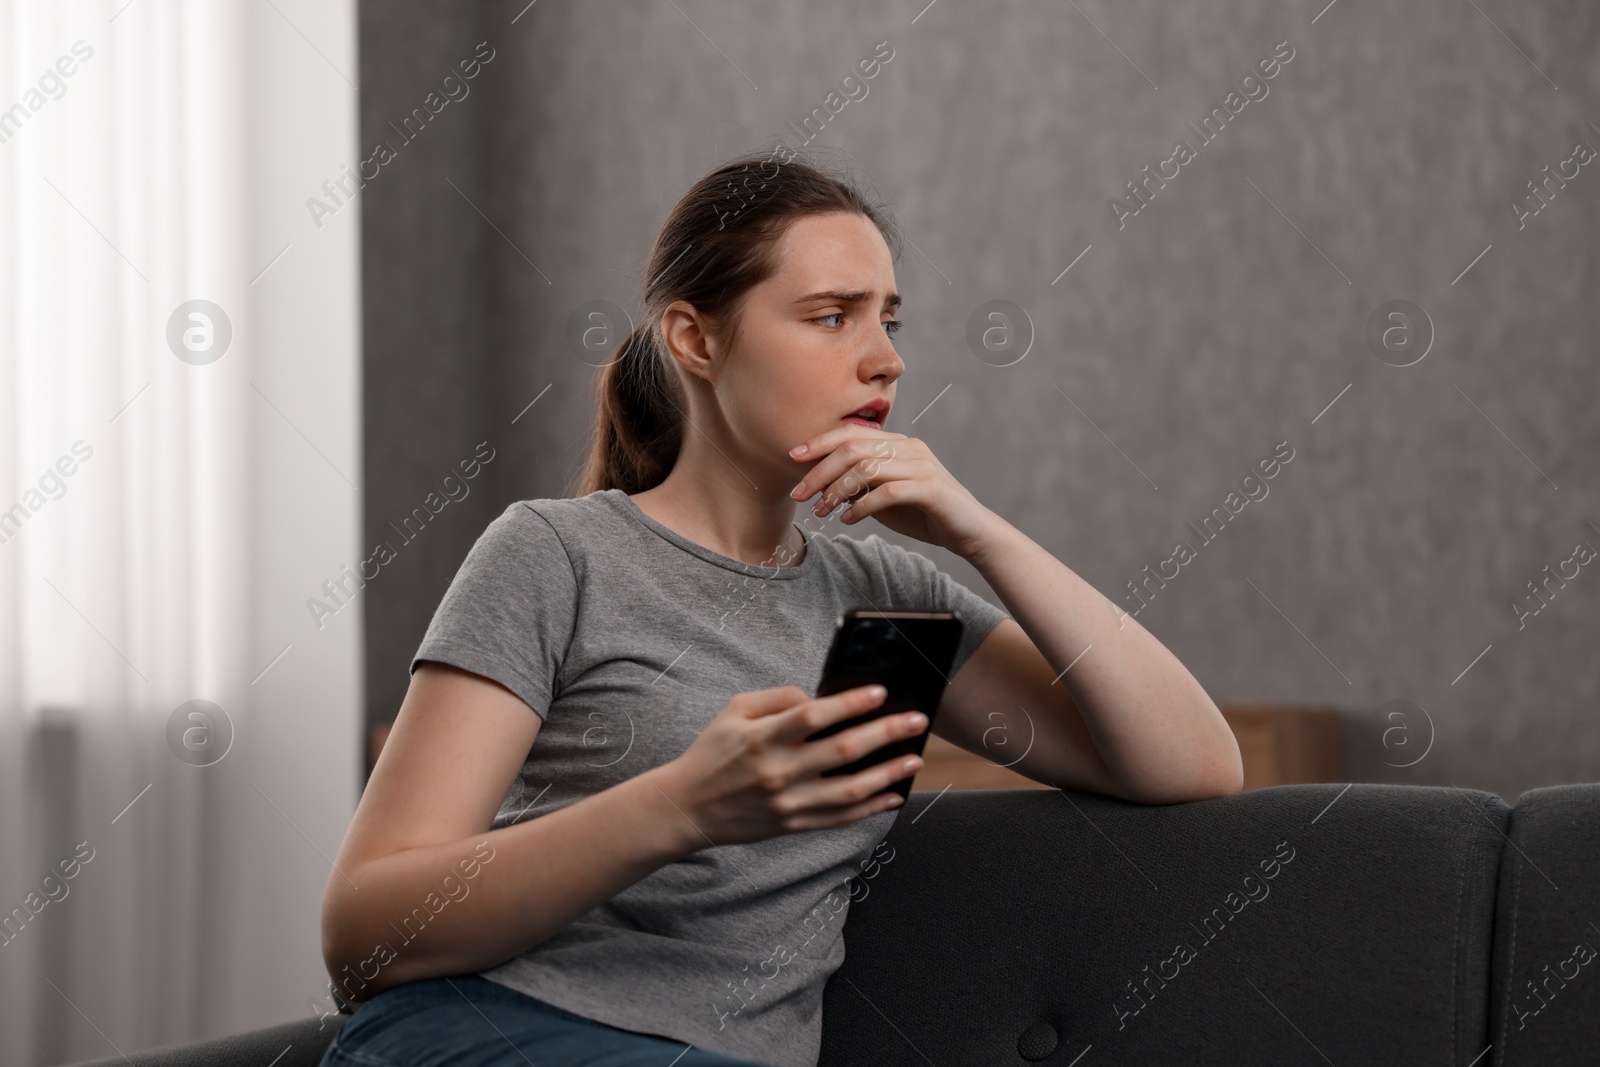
x: 468, y: 1021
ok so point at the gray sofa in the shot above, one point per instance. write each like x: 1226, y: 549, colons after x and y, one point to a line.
x: 1305, y: 924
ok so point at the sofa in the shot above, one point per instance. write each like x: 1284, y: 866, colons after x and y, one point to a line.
x: 1300, y: 924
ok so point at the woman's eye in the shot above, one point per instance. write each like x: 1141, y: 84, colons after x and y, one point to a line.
x: 892, y: 326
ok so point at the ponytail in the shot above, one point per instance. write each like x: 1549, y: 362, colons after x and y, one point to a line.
x: 639, y: 418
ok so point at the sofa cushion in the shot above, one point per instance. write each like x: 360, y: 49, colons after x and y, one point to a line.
x: 1545, y: 990
x: 1293, y: 924
x: 294, y: 1044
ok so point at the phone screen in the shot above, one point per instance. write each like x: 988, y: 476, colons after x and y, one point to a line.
x: 909, y: 653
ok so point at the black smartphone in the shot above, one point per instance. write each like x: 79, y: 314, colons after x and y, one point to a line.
x: 909, y: 653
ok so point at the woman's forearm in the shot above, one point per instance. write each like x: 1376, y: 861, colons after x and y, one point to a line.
x: 464, y: 906
x: 1153, y: 723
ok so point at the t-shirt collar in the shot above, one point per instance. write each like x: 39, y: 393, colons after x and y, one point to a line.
x: 625, y: 505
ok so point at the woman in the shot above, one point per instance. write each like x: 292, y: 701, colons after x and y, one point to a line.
x: 665, y: 875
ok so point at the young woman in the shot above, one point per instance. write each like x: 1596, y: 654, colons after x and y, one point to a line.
x: 596, y: 834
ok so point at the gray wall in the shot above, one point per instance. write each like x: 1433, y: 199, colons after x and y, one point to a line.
x: 1221, y: 319
x: 428, y: 382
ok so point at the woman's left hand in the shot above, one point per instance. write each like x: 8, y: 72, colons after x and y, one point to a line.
x: 895, y: 478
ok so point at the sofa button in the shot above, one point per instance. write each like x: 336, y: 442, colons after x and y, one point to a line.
x: 1037, y: 1041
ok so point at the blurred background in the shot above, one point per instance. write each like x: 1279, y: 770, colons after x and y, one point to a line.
x: 274, y: 274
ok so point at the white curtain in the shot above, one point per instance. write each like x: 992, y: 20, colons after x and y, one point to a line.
x: 136, y: 482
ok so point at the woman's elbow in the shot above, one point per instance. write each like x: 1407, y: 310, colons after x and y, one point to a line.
x: 1222, y: 776
x: 1228, y: 780
x: 360, y: 975
x: 352, y: 967
x: 1220, y: 772
x: 338, y: 958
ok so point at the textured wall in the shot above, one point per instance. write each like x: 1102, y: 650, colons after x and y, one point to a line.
x: 428, y: 384
x: 1184, y: 343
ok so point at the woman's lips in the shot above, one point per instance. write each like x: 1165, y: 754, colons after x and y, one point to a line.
x: 861, y: 422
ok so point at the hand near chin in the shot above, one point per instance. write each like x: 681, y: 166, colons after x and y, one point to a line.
x: 895, y: 479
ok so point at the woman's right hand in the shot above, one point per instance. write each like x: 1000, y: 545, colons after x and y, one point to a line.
x: 751, y: 774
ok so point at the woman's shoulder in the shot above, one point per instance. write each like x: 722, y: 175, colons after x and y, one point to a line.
x: 870, y: 546
x: 874, y: 556
x: 572, y: 530
x: 562, y: 513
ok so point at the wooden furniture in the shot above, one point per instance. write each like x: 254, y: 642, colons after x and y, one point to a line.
x: 1280, y: 745
x: 1286, y: 745
x: 948, y: 767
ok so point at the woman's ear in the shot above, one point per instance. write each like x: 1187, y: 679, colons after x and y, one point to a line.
x: 689, y: 342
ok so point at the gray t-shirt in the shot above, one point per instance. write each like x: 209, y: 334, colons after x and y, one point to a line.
x: 627, y: 639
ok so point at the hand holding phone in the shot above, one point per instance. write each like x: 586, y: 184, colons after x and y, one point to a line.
x: 745, y: 779
x: 907, y: 652
x: 750, y: 775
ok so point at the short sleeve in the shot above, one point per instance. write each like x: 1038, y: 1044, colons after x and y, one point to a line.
x: 917, y: 584
x: 509, y: 611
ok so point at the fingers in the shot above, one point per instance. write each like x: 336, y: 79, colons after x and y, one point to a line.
x: 800, y: 722
x: 850, y: 486
x: 885, y: 495
x: 857, y: 482
x: 861, y: 455
x: 829, y: 818
x: 758, y: 703
x: 847, y: 746
x: 829, y: 440
x: 835, y: 802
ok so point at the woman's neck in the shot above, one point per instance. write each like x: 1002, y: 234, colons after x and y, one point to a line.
x: 729, y: 516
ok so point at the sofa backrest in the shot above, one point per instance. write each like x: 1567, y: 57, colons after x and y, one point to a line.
x: 1353, y: 920
x: 1545, y: 992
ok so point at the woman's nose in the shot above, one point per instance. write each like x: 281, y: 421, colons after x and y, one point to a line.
x: 883, y: 362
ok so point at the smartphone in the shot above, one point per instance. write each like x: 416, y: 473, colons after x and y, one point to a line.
x: 909, y: 653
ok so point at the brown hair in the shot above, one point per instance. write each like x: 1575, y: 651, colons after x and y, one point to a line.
x: 716, y: 244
